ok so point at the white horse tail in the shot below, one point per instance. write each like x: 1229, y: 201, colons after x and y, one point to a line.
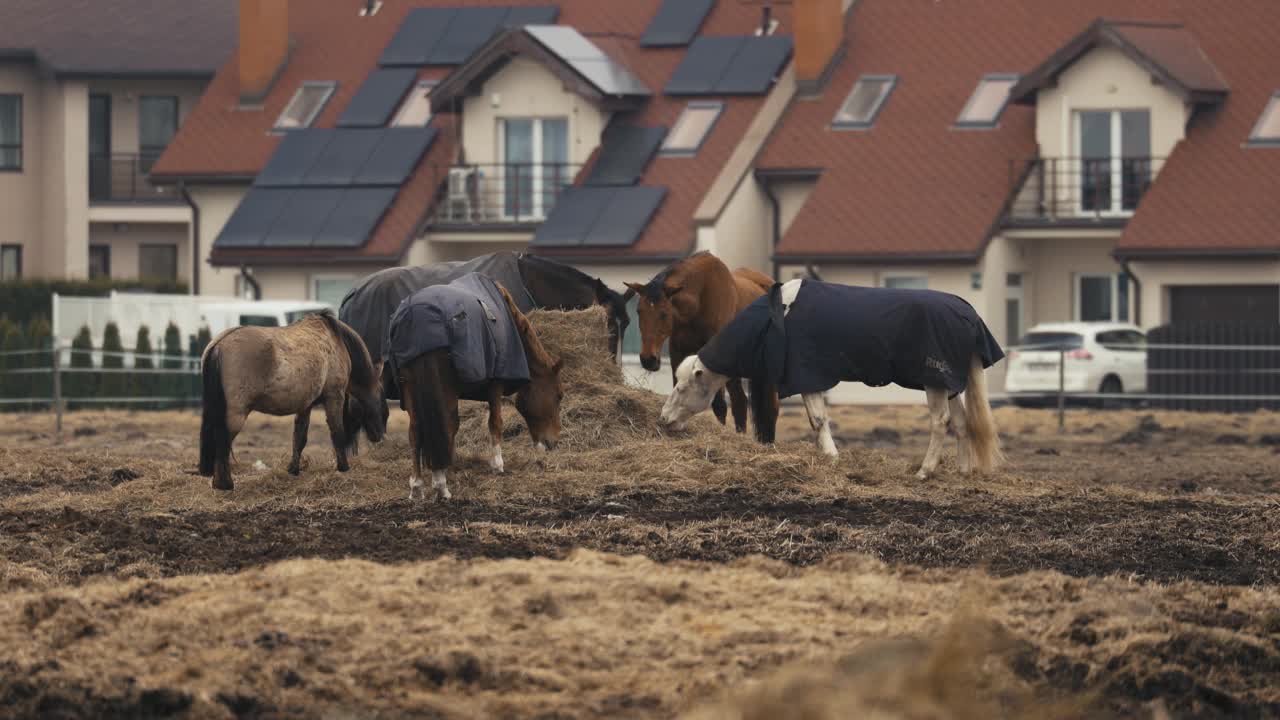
x: 978, y: 417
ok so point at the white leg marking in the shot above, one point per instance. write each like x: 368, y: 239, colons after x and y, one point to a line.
x: 496, y: 462
x: 816, y: 407
x: 963, y: 446
x: 415, y: 488
x: 937, y: 430
x: 441, y: 483
x: 539, y: 446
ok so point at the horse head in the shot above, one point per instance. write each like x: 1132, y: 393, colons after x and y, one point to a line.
x: 615, y: 303
x: 365, y: 405
x: 696, y: 386
x: 656, y: 312
x: 539, y: 404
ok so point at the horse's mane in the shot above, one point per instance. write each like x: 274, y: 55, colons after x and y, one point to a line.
x: 653, y: 289
x: 534, y: 345
x: 361, y: 365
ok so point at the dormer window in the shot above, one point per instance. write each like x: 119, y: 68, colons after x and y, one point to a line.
x: 415, y: 111
x: 865, y: 101
x: 987, y: 102
x: 1267, y: 131
x: 306, y: 104
x: 1114, y: 148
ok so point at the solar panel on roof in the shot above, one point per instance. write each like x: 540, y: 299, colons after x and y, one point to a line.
x: 293, y: 157
x: 625, y: 216
x: 395, y: 156
x: 354, y: 217
x: 378, y: 97
x: 704, y: 64
x: 676, y: 23
x: 471, y: 28
x: 587, y: 59
x: 531, y: 15
x: 626, y: 152
x: 252, y: 218
x: 342, y: 158
x: 576, y: 211
x: 417, y: 37
x: 755, y: 65
x: 304, y: 214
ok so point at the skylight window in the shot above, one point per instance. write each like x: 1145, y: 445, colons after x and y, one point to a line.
x: 691, y: 128
x: 415, y: 111
x: 987, y: 101
x: 865, y: 101
x: 306, y: 104
x: 1267, y: 131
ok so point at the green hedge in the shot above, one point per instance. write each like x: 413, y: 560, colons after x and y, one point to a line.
x: 23, y: 300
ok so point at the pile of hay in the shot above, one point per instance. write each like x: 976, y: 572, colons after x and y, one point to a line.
x: 599, y: 410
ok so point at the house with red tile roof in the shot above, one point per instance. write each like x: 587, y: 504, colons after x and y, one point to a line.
x: 1094, y: 160
x: 91, y: 93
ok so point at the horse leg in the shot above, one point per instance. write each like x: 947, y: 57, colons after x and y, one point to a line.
x: 937, y: 400
x: 222, y: 463
x: 337, y: 432
x: 495, y: 425
x: 816, y: 408
x: 443, y: 457
x: 738, y: 399
x: 301, y: 424
x: 961, y: 427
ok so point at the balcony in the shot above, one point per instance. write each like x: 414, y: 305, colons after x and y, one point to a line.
x: 123, y: 179
x: 498, y: 197
x: 1072, y: 192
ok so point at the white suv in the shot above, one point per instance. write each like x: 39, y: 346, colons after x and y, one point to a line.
x: 1106, y: 358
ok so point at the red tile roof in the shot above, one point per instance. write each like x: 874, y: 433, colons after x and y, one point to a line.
x: 220, y: 140
x: 914, y: 186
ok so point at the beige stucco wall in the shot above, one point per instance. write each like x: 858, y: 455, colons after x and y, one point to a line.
x: 1105, y: 79
x: 216, y: 204
x: 125, y: 94
x: 21, y: 220
x: 65, y: 180
x: 742, y: 236
x: 526, y: 89
x: 1158, y: 276
x: 125, y: 240
x: 1050, y: 267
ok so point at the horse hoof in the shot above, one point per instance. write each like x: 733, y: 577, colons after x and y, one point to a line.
x: 294, y: 470
x: 922, y: 475
x: 444, y: 496
x: 344, y: 467
x: 227, y: 486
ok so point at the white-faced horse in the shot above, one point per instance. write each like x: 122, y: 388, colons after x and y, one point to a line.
x: 806, y: 336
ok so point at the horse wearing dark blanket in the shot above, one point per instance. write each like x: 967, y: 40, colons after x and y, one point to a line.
x: 468, y: 340
x: 806, y: 336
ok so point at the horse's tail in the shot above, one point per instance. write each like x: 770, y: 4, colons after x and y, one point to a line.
x: 433, y: 427
x: 764, y: 409
x: 215, y: 440
x: 978, y: 417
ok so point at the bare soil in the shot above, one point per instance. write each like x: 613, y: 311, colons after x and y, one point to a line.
x: 1128, y: 566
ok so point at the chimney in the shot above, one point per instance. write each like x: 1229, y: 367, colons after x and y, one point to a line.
x: 264, y: 46
x: 819, y: 38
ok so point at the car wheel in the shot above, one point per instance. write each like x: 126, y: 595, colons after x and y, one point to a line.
x: 1111, y: 386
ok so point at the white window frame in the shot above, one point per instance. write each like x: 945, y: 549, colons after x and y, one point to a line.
x: 995, y: 119
x: 1117, y: 208
x: 330, y: 87
x: 537, y: 212
x: 419, y: 86
x: 876, y: 109
x: 1077, y: 283
x: 685, y: 151
x: 886, y: 277
x: 317, y: 277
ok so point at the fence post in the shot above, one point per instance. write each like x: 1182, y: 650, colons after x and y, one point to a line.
x: 57, y: 390
x: 1062, y: 391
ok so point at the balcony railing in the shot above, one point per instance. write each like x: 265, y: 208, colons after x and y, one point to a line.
x: 489, y: 196
x: 123, y: 178
x: 1072, y: 191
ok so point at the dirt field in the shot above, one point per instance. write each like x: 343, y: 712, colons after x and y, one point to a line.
x: 1129, y: 566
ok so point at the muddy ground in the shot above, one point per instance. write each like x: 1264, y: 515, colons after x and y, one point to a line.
x: 1129, y: 565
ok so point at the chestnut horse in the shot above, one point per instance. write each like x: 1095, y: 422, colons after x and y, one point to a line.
x: 430, y: 389
x: 316, y: 361
x: 688, y: 303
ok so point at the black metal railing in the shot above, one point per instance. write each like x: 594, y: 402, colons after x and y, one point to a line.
x: 123, y: 178
x: 1068, y: 190
x: 499, y: 194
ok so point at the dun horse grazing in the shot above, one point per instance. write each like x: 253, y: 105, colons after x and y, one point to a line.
x: 806, y: 336
x: 688, y: 303
x: 468, y: 340
x: 317, y: 361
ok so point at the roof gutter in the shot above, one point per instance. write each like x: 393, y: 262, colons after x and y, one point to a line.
x: 1122, y: 255
x: 195, y: 236
x: 197, y: 179
x: 1136, y: 293
x: 843, y: 259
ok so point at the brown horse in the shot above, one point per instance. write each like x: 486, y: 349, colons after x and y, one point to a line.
x: 688, y: 303
x: 430, y: 389
x: 315, y: 362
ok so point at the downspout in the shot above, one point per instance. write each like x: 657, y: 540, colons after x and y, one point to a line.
x: 195, y: 236
x: 1136, y: 292
x: 777, y: 224
x: 251, y: 281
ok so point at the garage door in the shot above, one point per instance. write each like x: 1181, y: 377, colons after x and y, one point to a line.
x: 1225, y: 303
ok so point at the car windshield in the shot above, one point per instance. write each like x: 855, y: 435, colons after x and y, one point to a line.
x: 1052, y: 341
x: 259, y: 320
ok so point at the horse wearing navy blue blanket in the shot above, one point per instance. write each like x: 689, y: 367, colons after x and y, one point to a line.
x: 468, y: 340
x: 806, y: 336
